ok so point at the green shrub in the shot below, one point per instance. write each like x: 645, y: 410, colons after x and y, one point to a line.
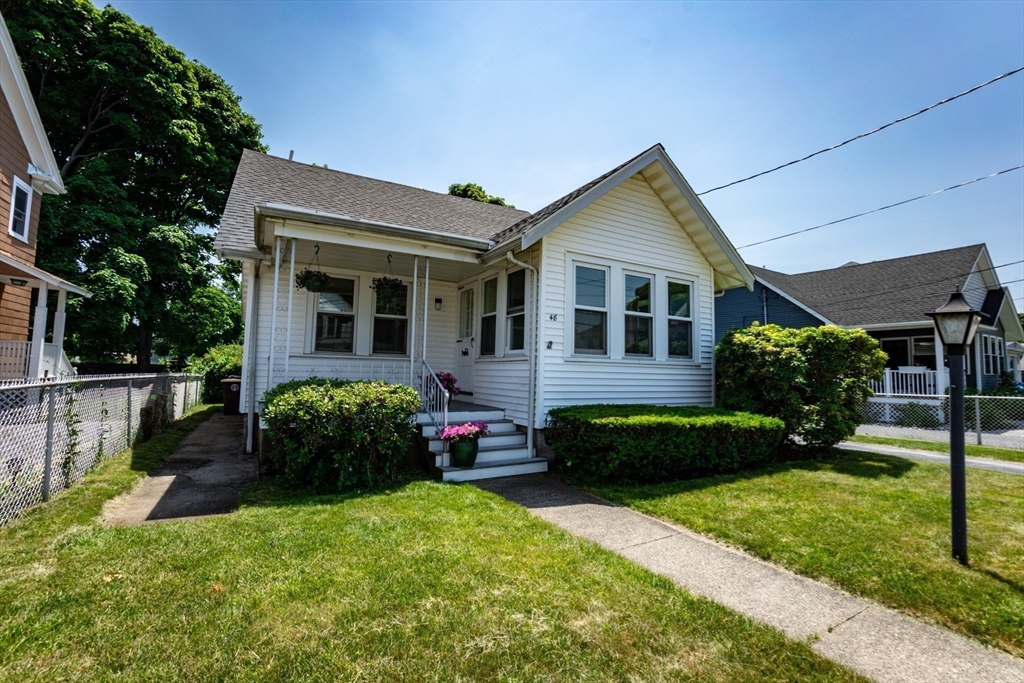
x: 658, y: 443
x: 333, y: 436
x: 813, y: 379
x: 913, y: 414
x: 218, y: 363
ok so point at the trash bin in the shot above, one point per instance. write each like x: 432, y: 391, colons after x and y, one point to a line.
x: 232, y: 387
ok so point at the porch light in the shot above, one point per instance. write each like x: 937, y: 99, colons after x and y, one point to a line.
x: 18, y: 282
x: 437, y: 304
x: 956, y: 322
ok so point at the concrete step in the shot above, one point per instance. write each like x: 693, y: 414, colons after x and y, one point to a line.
x: 465, y: 416
x: 493, y: 426
x: 492, y: 454
x: 501, y: 439
x: 495, y: 469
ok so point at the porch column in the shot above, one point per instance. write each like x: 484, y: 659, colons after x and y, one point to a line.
x: 288, y: 326
x: 412, y: 323
x: 273, y: 313
x: 426, y: 307
x: 58, y: 319
x: 940, y: 365
x: 35, y: 365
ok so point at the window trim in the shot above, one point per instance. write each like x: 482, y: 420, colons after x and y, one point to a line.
x: 692, y: 284
x: 992, y: 355
x: 573, y: 307
x: 514, y: 313
x: 483, y: 305
x: 19, y: 184
x: 408, y: 328
x: 313, y: 303
x: 652, y: 315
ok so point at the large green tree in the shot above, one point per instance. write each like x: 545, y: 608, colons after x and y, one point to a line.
x: 148, y: 141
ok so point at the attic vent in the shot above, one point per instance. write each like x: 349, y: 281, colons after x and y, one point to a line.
x: 849, y: 263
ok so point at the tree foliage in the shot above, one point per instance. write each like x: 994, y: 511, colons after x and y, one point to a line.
x: 814, y: 379
x: 148, y: 141
x: 476, y: 193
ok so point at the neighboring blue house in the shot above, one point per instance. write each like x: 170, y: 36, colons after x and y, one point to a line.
x: 890, y: 300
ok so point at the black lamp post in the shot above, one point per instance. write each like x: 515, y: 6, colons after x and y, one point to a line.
x: 956, y: 323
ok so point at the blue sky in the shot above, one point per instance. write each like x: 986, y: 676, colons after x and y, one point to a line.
x: 532, y: 100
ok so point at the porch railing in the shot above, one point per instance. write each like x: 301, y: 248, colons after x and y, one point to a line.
x: 14, y: 358
x: 394, y: 370
x: 918, y: 382
x: 435, y: 403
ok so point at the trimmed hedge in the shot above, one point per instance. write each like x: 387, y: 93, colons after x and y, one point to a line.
x: 334, y: 436
x: 218, y: 363
x: 642, y: 443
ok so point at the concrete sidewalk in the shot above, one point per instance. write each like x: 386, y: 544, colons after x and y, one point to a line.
x: 1005, y: 466
x: 874, y: 641
x: 205, y: 476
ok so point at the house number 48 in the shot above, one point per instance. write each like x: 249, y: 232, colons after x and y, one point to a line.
x: 553, y: 316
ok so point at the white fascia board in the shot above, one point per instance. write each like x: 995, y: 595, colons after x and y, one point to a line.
x: 44, y: 169
x: 656, y: 153
x: 322, y: 217
x: 33, y: 273
x: 794, y: 301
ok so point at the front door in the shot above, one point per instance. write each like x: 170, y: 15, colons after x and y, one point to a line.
x: 465, y: 346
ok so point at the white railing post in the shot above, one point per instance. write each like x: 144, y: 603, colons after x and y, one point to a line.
x: 887, y: 382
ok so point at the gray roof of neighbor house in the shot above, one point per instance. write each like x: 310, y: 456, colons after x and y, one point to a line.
x: 898, y: 290
x: 263, y: 179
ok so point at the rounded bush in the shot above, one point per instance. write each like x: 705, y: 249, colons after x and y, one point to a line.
x: 333, y: 436
x: 642, y: 443
x: 218, y: 363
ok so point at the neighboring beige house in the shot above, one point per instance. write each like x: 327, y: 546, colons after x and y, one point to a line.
x: 604, y: 296
x: 27, y: 171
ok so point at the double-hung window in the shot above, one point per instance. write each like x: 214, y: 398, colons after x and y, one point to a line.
x: 515, y: 310
x: 992, y: 354
x: 336, y: 316
x: 639, y: 322
x: 680, y: 320
x: 21, y: 209
x: 489, y: 318
x: 391, y: 320
x: 590, y: 313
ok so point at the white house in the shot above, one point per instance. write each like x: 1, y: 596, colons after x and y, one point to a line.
x: 604, y: 296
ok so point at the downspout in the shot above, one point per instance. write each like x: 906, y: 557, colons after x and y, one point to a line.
x: 534, y: 325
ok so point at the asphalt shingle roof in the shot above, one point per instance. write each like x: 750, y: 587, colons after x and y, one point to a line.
x: 262, y: 179
x: 881, y: 292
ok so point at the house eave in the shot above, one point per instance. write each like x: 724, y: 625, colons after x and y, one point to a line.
x: 33, y: 273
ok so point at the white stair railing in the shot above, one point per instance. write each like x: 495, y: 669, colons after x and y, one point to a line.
x: 435, y: 404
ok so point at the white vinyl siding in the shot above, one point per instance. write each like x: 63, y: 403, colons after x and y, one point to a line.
x: 628, y: 230
x: 975, y: 290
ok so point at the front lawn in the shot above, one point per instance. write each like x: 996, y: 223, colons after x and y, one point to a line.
x: 975, y: 450
x: 423, y: 582
x: 872, y: 524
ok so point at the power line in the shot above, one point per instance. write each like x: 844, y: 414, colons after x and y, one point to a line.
x: 883, y: 208
x: 864, y: 135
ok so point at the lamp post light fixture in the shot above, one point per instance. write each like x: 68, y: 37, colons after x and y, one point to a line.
x: 956, y: 323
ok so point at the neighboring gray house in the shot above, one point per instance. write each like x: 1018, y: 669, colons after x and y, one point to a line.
x: 890, y: 300
x: 603, y: 296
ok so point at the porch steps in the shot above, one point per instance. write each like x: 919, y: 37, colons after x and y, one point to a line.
x: 502, y: 452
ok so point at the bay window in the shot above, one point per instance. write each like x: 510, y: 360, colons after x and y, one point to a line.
x: 590, y: 314
x: 391, y: 320
x: 489, y: 317
x: 680, y: 320
x: 515, y: 310
x: 639, y: 319
x: 335, y: 316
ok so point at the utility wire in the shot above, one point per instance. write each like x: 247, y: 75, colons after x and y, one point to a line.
x: 883, y: 208
x: 864, y: 135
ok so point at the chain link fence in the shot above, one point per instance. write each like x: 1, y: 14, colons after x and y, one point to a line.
x: 988, y: 420
x: 54, y: 431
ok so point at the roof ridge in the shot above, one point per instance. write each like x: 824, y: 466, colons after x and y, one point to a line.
x: 978, y: 246
x: 381, y: 180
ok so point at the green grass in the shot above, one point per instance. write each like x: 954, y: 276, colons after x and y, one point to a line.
x: 422, y: 582
x: 1010, y: 454
x: 872, y: 524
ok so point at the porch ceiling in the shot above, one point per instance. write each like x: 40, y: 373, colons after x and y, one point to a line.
x: 375, y: 260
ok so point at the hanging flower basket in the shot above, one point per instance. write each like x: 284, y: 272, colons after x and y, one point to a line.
x: 312, y: 280
x: 390, y: 293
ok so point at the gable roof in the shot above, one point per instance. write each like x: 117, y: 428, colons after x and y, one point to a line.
x: 44, y: 169
x: 893, y: 291
x: 264, y: 179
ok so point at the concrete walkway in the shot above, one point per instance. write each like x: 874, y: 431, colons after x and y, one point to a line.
x: 931, y: 456
x: 874, y: 641
x: 205, y: 476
